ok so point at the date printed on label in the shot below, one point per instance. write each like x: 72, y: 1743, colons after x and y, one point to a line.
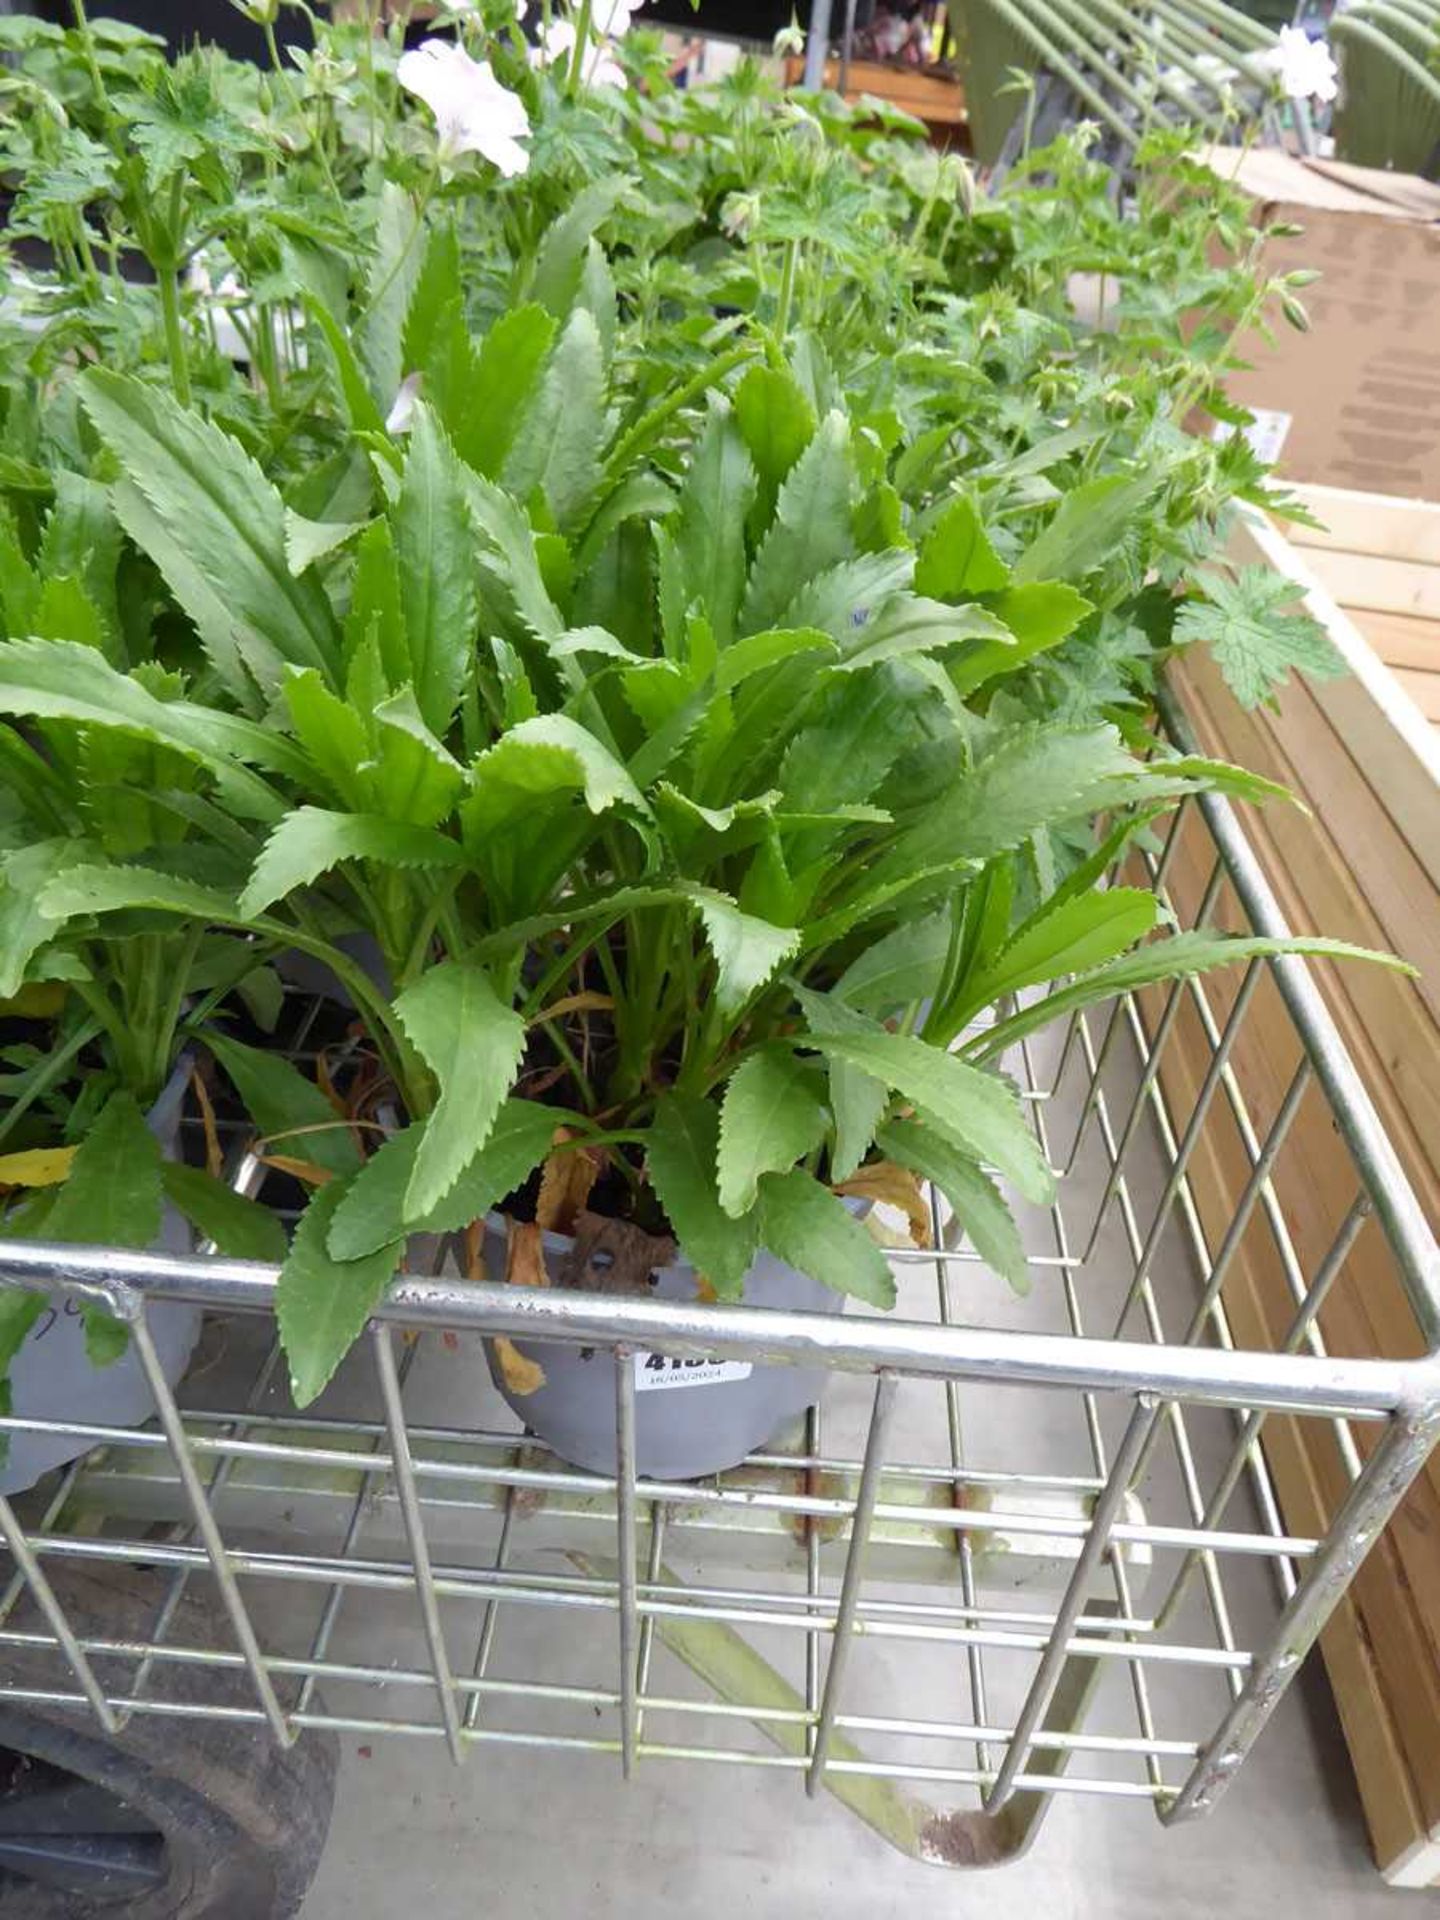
x: 667, y: 1370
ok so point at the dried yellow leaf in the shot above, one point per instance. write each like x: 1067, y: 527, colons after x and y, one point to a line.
x: 892, y: 1186
x: 565, y: 1185
x: 36, y: 1167
x: 586, y: 1002
x: 524, y: 1267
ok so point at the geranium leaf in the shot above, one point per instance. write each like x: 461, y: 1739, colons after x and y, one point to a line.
x: 1251, y: 626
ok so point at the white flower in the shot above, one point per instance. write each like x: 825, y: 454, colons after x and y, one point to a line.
x: 614, y: 18
x: 1304, y: 67
x: 401, y: 416
x: 789, y: 39
x: 473, y: 112
x: 599, y: 68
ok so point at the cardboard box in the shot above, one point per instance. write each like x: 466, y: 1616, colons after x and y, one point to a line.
x: 1355, y: 402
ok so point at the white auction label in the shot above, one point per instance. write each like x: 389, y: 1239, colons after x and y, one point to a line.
x: 653, y: 1370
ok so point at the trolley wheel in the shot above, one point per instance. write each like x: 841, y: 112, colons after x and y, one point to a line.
x: 170, y: 1819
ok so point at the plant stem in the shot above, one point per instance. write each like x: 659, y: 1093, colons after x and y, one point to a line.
x: 651, y: 424
x: 582, y: 44
x: 87, y: 47
x: 787, y: 287
x: 174, y: 336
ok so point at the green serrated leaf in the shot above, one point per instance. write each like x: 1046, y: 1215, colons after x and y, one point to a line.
x: 710, y: 537
x: 907, y: 624
x: 61, y: 680
x: 112, y: 1195
x: 434, y: 553
x: 413, y: 777
x: 557, y: 446
x: 507, y: 376
x: 289, y: 1110
x: 215, y: 527
x: 372, y: 1213
x: 1070, y: 936
x: 956, y: 559
x: 857, y: 1099
x: 975, y: 1200
x: 807, y: 1226
x: 748, y: 951
x: 545, y: 756
x: 310, y: 841
x: 1086, y: 527
x: 980, y: 1112
x: 323, y: 1304
x: 238, y: 1226
x: 25, y: 926
x: 898, y: 969
x: 561, y: 259
x: 394, y: 269
x: 1178, y: 957
x: 771, y: 1117
x: 810, y: 532
x: 472, y: 1043
x: 777, y: 422
x: 680, y: 1156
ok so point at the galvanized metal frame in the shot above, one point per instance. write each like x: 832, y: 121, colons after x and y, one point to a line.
x: 800, y: 1542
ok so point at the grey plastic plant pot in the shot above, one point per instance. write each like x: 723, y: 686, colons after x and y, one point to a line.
x: 691, y: 1418
x: 51, y: 1378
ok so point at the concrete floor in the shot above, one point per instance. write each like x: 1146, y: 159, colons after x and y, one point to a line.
x: 539, y: 1832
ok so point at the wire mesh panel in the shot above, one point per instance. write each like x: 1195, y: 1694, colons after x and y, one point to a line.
x: 1026, y: 1545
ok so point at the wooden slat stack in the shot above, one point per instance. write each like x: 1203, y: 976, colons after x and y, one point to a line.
x: 1380, y: 559
x: 1364, y: 865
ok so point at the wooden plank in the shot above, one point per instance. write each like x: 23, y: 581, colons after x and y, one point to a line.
x: 1365, y: 865
x: 1389, y: 586
x: 1387, y: 1784
x: 1373, y: 523
x: 1423, y: 688
x: 1392, y: 1653
x: 1401, y: 639
x: 1380, y: 724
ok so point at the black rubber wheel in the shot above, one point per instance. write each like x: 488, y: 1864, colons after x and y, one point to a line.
x: 172, y: 1818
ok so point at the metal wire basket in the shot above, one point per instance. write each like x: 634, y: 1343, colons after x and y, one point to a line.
x: 1069, y: 1491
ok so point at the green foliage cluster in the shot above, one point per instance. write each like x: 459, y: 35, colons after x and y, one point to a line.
x: 690, y: 610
